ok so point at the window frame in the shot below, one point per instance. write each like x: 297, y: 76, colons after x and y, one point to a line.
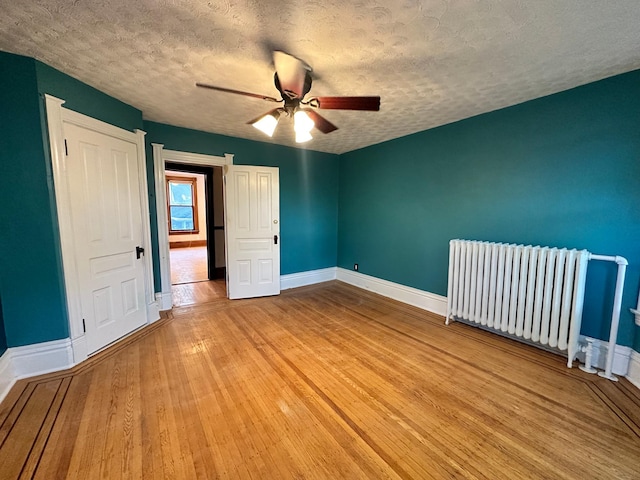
x: 193, y: 181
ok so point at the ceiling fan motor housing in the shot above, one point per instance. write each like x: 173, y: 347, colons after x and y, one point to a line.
x: 289, y: 95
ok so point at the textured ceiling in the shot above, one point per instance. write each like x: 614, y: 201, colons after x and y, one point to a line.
x: 432, y: 61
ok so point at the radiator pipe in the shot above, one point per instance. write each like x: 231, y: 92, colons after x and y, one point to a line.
x: 617, y: 306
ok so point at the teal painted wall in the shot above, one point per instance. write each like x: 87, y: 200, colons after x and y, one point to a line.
x: 561, y: 170
x: 33, y: 304
x: 32, y: 284
x: 3, y: 337
x: 82, y: 98
x: 308, y: 191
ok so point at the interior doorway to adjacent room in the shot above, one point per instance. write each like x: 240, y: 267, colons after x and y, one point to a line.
x: 195, y: 222
x: 187, y: 214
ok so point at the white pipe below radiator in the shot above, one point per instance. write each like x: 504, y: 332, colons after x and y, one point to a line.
x: 588, y: 358
x: 617, y: 305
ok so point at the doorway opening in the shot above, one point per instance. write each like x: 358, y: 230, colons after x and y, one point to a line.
x: 161, y: 158
x: 195, y: 224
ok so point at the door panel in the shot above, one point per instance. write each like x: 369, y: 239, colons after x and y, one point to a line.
x: 242, y: 201
x: 264, y: 208
x: 252, y: 207
x: 107, y: 222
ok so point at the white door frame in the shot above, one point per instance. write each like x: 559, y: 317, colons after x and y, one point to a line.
x: 57, y: 115
x: 160, y: 157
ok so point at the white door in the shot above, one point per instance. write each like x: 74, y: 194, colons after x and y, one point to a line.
x: 107, y: 222
x: 252, y: 225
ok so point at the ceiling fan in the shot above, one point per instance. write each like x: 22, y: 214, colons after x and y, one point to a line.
x: 293, y: 80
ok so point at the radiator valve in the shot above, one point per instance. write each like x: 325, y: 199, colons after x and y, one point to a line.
x: 588, y: 356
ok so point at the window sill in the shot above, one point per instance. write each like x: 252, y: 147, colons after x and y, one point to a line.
x: 184, y: 232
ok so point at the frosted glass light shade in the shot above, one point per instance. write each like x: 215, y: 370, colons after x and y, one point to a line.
x: 302, y: 137
x: 302, y: 123
x: 267, y: 124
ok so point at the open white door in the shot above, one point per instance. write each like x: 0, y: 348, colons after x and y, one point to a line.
x: 252, y: 226
x: 107, y: 222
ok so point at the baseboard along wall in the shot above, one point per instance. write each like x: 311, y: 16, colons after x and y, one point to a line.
x: 621, y: 359
x: 31, y: 360
x: 7, y: 379
x: 164, y: 300
x: 418, y: 298
x: 294, y: 280
x: 634, y: 368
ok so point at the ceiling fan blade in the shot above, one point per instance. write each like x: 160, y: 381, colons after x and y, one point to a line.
x: 237, y: 92
x: 270, y: 112
x: 321, y: 123
x: 291, y: 73
x: 346, y: 103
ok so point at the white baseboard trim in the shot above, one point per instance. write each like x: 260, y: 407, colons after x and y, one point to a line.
x: 294, y: 280
x: 634, y: 368
x: 418, y: 298
x: 621, y: 359
x: 153, y: 312
x: 164, y: 300
x: 80, y: 349
x: 32, y: 360
x: 40, y: 358
x: 7, y: 378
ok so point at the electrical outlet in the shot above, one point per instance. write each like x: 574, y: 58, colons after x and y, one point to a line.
x: 355, y: 267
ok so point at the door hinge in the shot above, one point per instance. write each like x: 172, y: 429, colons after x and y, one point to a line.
x: 66, y: 149
x: 84, y: 326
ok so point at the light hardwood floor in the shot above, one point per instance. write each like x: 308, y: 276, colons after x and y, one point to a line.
x: 188, y: 265
x: 198, y: 293
x: 189, y: 278
x: 327, y: 382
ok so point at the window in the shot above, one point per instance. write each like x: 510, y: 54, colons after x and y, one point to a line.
x: 182, y: 205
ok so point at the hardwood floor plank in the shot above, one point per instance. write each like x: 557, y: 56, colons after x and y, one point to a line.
x: 162, y: 424
x: 445, y: 464
x: 19, y: 444
x: 58, y: 451
x: 198, y: 293
x: 41, y: 440
x: 12, y: 407
x: 326, y: 381
x: 322, y: 416
x: 188, y: 264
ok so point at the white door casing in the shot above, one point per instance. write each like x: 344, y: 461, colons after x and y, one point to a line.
x: 160, y: 157
x: 60, y: 119
x: 252, y: 226
x: 107, y: 222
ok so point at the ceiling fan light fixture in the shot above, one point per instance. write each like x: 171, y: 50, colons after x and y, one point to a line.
x: 302, y: 137
x: 268, y: 123
x: 293, y: 80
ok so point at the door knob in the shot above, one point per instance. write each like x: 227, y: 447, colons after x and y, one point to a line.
x: 139, y: 251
